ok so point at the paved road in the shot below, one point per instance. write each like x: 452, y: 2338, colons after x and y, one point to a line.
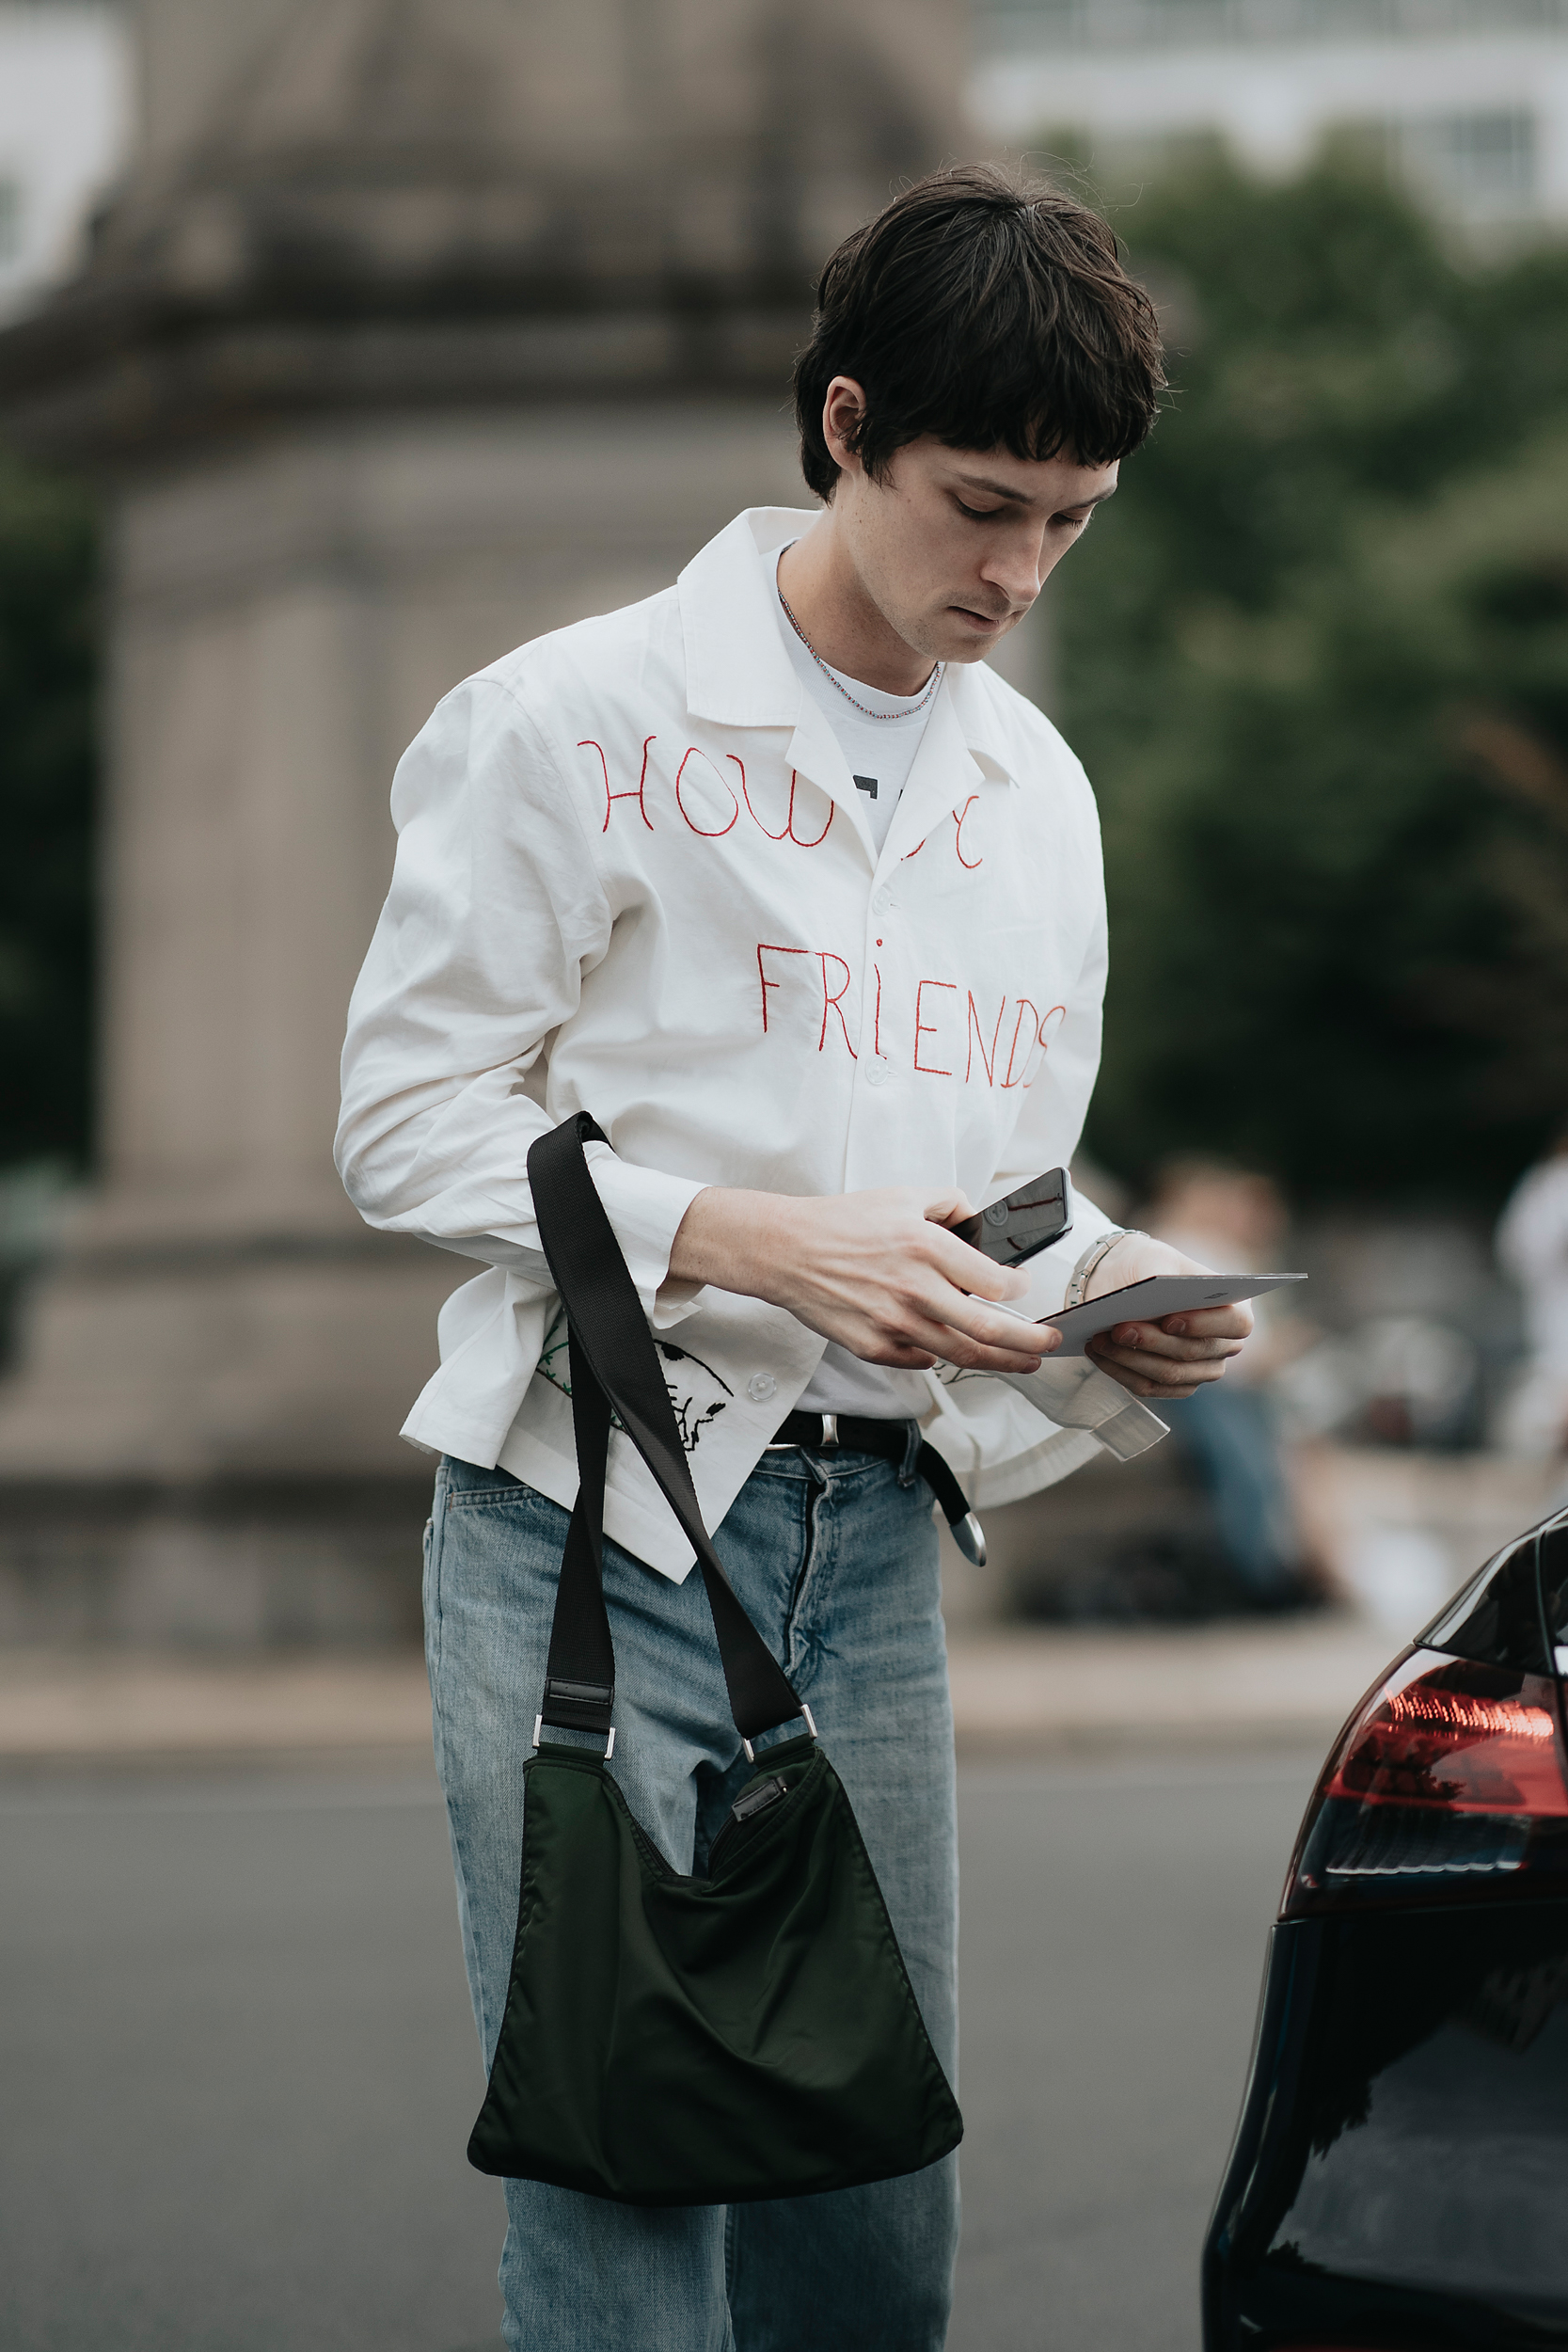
x: 237, y: 2069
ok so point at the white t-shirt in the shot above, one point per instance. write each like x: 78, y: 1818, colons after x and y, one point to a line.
x: 879, y: 749
x: 880, y: 753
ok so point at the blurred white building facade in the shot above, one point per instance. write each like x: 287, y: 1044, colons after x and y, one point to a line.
x: 65, y: 127
x: 1468, y: 97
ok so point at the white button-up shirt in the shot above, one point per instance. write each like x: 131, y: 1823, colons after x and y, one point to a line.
x: 634, y: 877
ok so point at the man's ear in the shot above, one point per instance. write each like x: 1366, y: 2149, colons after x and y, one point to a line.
x: 842, y: 406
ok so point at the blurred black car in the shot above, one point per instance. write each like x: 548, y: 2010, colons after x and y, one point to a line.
x: 1399, y: 2181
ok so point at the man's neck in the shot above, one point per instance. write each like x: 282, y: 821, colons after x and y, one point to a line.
x: 838, y: 619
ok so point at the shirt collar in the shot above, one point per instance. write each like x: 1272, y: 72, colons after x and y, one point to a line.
x: 737, y: 672
x: 972, y: 695
x: 737, y: 669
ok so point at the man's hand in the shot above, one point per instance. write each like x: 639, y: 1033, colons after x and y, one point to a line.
x: 876, y: 1271
x: 1169, y: 1360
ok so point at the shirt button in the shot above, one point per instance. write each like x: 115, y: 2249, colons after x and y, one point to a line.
x: 876, y: 1074
x: 882, y: 902
x: 760, y: 1387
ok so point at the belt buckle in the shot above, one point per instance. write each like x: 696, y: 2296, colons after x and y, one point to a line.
x: 829, y: 1431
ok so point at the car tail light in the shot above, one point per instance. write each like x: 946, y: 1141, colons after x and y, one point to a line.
x: 1447, y: 1782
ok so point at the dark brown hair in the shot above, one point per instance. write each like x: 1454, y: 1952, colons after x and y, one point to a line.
x: 991, y: 311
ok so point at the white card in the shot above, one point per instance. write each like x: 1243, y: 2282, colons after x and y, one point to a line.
x: 1153, y: 1298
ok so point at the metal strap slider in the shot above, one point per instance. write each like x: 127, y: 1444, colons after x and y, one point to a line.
x: 811, y: 1727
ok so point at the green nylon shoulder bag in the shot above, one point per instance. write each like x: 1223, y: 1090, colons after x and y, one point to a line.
x: 669, y: 2039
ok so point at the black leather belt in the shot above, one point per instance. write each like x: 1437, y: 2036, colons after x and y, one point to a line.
x: 853, y: 1433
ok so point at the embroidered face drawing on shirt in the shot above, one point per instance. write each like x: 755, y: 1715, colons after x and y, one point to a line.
x: 697, y: 1393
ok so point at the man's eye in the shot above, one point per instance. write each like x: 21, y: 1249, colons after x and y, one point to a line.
x: 979, y: 513
x: 1074, y: 522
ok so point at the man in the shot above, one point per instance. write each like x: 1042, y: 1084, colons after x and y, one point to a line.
x: 773, y: 876
x: 1236, y: 1218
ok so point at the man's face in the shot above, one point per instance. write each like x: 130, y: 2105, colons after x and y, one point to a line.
x: 952, y: 545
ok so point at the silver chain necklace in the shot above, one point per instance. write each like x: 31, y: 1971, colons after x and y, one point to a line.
x: 930, y: 688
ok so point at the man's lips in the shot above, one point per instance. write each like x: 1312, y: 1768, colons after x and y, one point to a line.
x: 980, y: 620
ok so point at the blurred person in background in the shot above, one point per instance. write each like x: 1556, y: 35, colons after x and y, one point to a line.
x: 1235, y: 1220
x: 1532, y: 1250
x: 801, y: 745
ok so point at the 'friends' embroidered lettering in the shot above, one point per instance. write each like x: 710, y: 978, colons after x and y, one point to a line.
x: 976, y: 1037
x: 929, y: 1029
x: 833, y: 1003
x: 1018, y: 1031
x: 1038, y: 1036
x: 933, y: 1021
x: 833, y: 998
x: 766, y: 949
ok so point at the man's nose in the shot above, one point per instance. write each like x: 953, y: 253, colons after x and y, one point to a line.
x: 1015, y: 569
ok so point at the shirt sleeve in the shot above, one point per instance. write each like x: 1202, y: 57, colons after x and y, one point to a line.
x: 494, y: 912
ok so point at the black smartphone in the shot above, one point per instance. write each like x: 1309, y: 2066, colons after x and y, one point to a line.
x: 1028, y: 1220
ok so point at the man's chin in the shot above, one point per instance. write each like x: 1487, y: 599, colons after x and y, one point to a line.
x: 970, y: 649
x: 942, y: 637
x: 965, y: 638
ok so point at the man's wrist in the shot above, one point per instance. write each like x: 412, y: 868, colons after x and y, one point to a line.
x: 1093, y: 1258
x: 728, y: 1237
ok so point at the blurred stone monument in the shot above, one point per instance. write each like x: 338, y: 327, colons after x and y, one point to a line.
x: 417, y: 327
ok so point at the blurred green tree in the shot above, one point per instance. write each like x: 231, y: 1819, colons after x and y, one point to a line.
x: 1315, y: 656
x: 48, y: 543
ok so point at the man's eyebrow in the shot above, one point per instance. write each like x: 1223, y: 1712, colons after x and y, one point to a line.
x: 1023, y: 497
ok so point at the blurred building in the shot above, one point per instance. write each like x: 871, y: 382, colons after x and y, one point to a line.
x: 65, y: 126
x: 414, y: 327
x: 1468, y: 99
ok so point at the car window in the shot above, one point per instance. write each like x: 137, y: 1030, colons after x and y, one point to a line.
x: 1496, y: 1618
x: 1554, y: 1585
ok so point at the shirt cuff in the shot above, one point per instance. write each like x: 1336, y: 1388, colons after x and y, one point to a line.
x: 645, y: 1208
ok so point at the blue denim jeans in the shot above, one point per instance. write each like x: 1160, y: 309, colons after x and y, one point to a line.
x: 835, y: 1559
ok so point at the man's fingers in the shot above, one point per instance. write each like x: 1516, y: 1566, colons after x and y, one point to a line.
x: 1006, y: 1335
x: 969, y: 1269
x: 967, y: 1355
x: 979, y: 1351
x: 1178, y: 1356
x: 1150, y: 1374
x: 1152, y: 1339
x: 1210, y: 1323
x: 970, y: 1342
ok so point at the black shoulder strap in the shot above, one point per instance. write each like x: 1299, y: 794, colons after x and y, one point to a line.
x: 614, y: 1364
